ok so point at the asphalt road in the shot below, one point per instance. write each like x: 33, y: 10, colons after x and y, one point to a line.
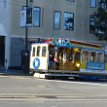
x: 24, y: 91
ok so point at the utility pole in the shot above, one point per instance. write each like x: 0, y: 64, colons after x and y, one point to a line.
x: 26, y: 51
x: 26, y: 30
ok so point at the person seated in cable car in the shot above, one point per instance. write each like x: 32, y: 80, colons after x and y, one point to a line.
x: 51, y: 59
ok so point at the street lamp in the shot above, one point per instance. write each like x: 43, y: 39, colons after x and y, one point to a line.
x: 28, y: 21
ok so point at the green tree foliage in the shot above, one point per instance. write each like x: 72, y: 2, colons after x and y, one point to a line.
x: 100, y: 25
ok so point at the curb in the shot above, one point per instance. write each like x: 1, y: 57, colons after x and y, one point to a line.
x: 4, y: 74
x: 14, y: 74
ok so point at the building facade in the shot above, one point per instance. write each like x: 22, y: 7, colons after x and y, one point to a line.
x: 4, y: 33
x: 62, y: 18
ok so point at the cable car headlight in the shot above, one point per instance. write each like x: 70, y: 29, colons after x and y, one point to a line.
x: 78, y: 65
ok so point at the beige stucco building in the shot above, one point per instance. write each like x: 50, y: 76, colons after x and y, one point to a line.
x: 80, y: 8
x: 63, y: 18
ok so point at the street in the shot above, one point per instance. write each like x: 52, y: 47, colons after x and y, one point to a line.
x: 27, y: 91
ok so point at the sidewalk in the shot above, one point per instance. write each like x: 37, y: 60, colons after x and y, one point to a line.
x: 13, y: 72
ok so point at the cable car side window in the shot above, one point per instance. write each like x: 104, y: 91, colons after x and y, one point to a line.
x: 99, y: 57
x: 33, y: 52
x: 38, y: 51
x: 44, y: 51
x: 85, y: 56
x: 92, y: 56
x: 105, y: 60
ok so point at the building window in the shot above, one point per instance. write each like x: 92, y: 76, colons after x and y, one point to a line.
x: 57, y: 20
x: 92, y: 3
x: 68, y: 21
x: 36, y: 16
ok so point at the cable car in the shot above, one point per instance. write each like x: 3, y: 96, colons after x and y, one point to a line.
x: 63, y: 58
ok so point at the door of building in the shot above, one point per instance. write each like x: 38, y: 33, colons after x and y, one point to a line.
x: 2, y: 50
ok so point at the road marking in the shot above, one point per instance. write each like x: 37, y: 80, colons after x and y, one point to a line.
x: 78, y: 82
x: 52, y: 100
x: 90, y: 83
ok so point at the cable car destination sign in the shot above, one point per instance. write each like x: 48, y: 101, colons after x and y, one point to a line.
x: 59, y: 42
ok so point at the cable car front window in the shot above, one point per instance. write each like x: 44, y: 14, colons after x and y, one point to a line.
x: 38, y: 51
x: 44, y: 51
x: 33, y: 53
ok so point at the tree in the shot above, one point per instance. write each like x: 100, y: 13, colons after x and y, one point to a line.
x: 98, y: 21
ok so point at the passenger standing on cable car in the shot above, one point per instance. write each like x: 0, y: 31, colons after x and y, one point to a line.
x: 56, y: 59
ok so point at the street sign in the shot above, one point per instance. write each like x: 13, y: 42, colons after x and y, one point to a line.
x: 29, y: 17
x: 22, y: 18
x: 26, y: 17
